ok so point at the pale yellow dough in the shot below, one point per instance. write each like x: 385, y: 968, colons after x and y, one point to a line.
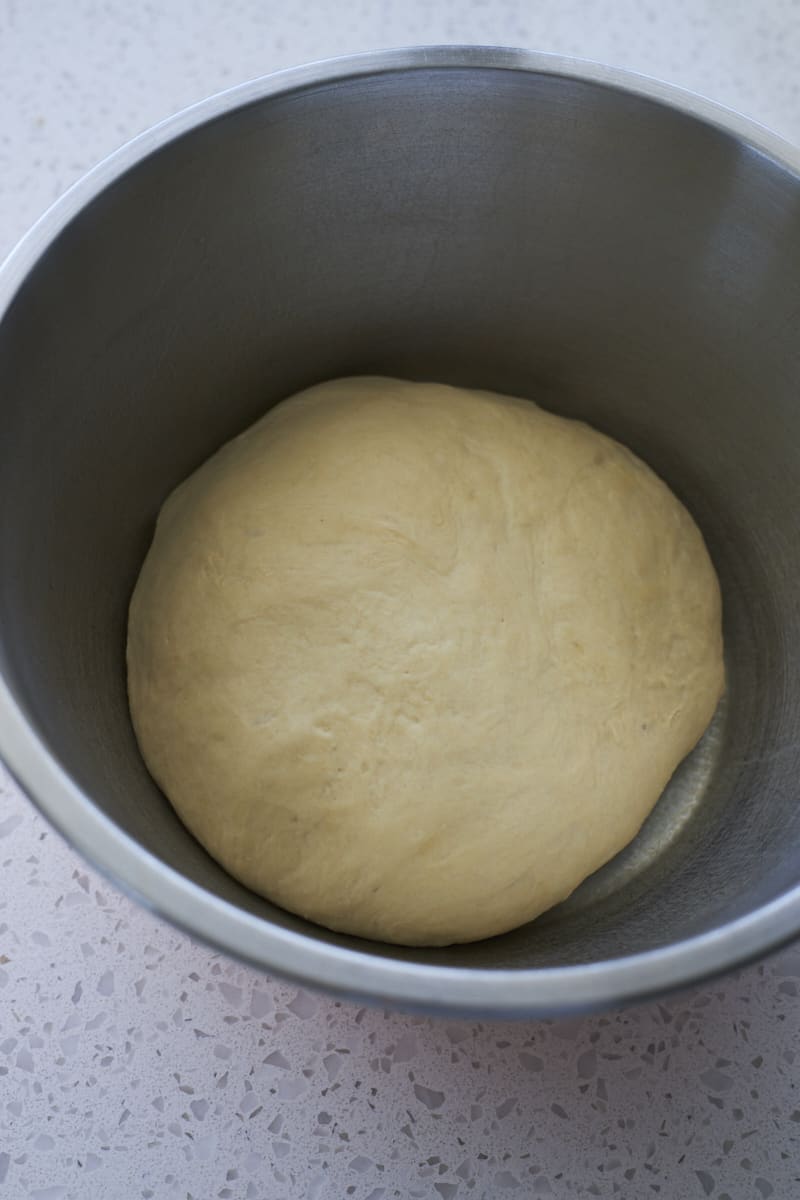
x: 413, y: 661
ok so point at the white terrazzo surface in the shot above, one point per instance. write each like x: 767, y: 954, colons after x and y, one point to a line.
x: 134, y: 1063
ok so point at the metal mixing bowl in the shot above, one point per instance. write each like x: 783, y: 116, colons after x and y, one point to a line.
x: 618, y: 250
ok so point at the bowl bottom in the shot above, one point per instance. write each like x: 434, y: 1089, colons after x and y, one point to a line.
x: 658, y: 840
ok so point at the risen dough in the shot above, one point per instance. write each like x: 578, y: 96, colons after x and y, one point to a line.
x: 412, y: 661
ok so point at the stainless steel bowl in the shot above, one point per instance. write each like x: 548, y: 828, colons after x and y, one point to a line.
x: 621, y: 251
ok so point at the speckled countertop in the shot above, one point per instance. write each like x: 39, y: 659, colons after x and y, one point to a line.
x: 136, y: 1064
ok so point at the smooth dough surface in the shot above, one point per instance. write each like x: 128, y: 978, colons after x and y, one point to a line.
x: 412, y: 661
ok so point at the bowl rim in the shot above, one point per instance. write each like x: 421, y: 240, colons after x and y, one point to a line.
x: 454, y: 990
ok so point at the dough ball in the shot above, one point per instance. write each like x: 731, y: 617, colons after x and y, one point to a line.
x: 412, y: 661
